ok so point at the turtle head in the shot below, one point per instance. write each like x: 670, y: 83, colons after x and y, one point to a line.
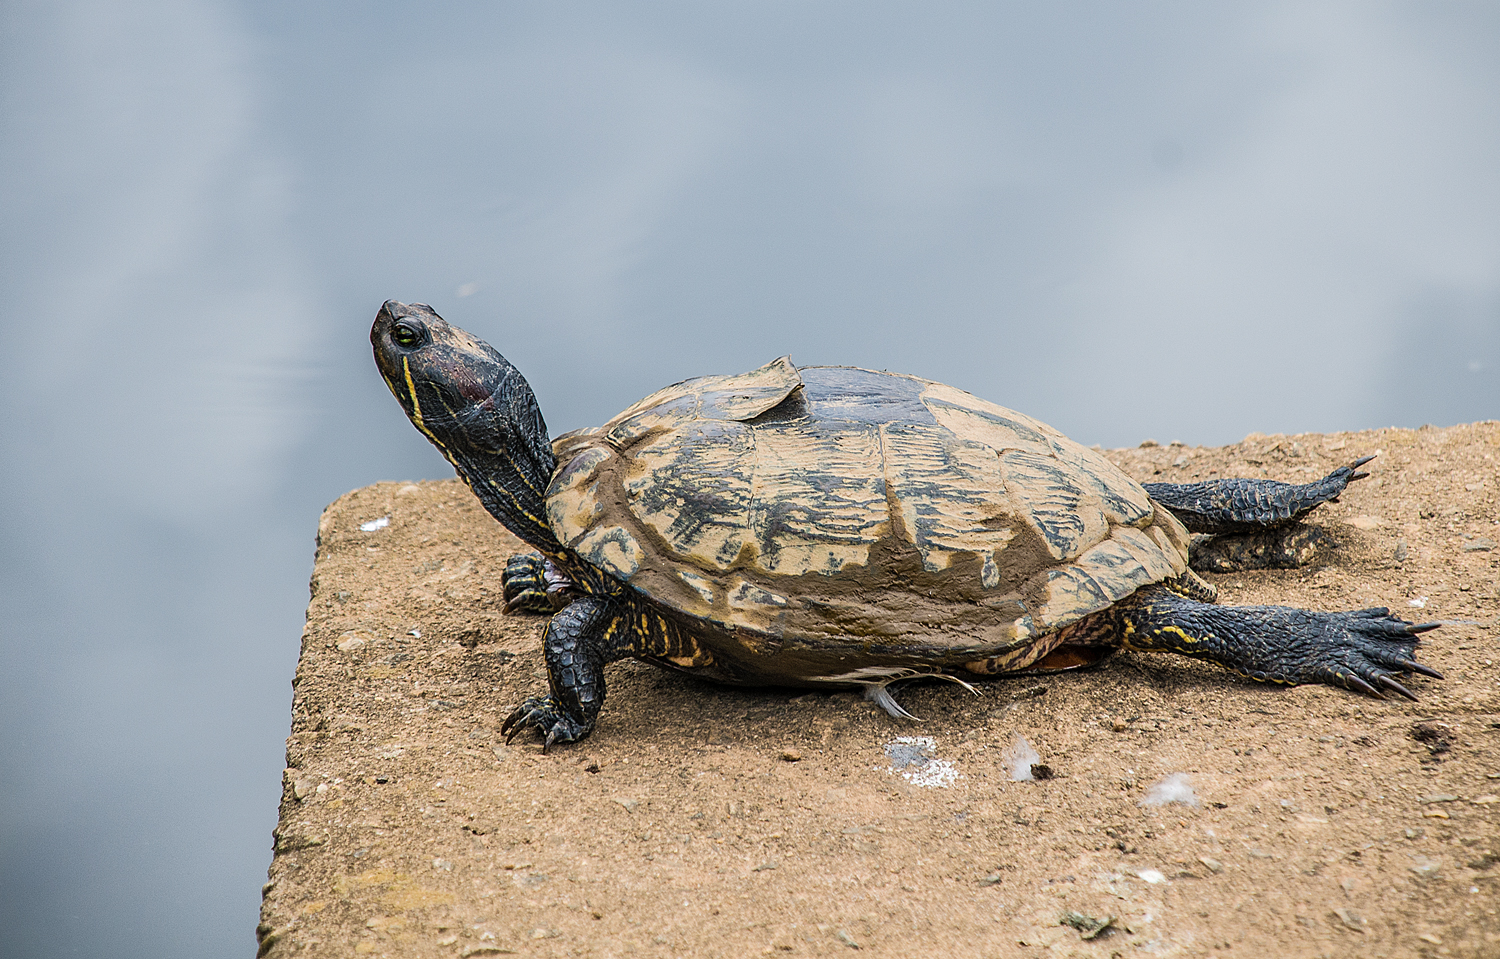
x: 475, y: 407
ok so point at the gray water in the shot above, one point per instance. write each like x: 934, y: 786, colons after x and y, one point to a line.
x: 1179, y: 221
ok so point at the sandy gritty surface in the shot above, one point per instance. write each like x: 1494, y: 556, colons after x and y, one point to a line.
x: 707, y: 821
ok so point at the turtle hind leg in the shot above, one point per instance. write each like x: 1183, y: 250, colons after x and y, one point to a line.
x: 1241, y: 505
x: 1067, y: 658
x: 1361, y: 650
x: 1081, y: 645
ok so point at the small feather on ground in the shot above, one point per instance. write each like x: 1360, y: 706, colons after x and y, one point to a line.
x: 1019, y: 759
x: 1176, y: 788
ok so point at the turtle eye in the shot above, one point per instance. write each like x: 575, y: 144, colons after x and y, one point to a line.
x: 406, y: 332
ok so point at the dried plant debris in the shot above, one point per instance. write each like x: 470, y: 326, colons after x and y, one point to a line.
x: 1088, y: 927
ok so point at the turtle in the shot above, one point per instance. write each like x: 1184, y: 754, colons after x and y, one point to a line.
x: 836, y: 527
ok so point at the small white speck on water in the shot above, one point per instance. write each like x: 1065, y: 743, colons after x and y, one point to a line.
x: 375, y: 524
x: 912, y: 757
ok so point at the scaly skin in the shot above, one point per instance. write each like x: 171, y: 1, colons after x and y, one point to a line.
x: 532, y: 583
x: 1360, y: 650
x: 1250, y: 505
x: 580, y: 640
x: 524, y: 584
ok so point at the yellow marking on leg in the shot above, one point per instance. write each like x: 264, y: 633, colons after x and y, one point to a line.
x: 693, y: 655
x: 678, y: 646
x: 1162, y: 635
x: 1178, y: 632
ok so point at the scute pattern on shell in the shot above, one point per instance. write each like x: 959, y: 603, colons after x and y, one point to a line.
x: 839, y: 501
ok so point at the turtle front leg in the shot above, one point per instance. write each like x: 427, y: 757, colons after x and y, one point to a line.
x: 1360, y: 649
x: 532, y: 584
x: 580, y: 639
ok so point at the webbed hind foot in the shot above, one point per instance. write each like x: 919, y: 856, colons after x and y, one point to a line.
x: 1239, y: 505
x: 1361, y: 649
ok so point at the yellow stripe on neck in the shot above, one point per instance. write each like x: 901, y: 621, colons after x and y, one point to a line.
x: 416, y: 406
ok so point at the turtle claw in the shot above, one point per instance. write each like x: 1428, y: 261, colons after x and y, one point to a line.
x: 1414, y: 667
x: 511, y: 731
x: 1396, y: 687
x: 524, y: 584
x: 1353, y: 682
x: 1352, y: 471
x: 546, y: 715
x: 1373, y: 646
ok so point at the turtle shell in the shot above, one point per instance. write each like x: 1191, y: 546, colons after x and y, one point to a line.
x: 832, y: 506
